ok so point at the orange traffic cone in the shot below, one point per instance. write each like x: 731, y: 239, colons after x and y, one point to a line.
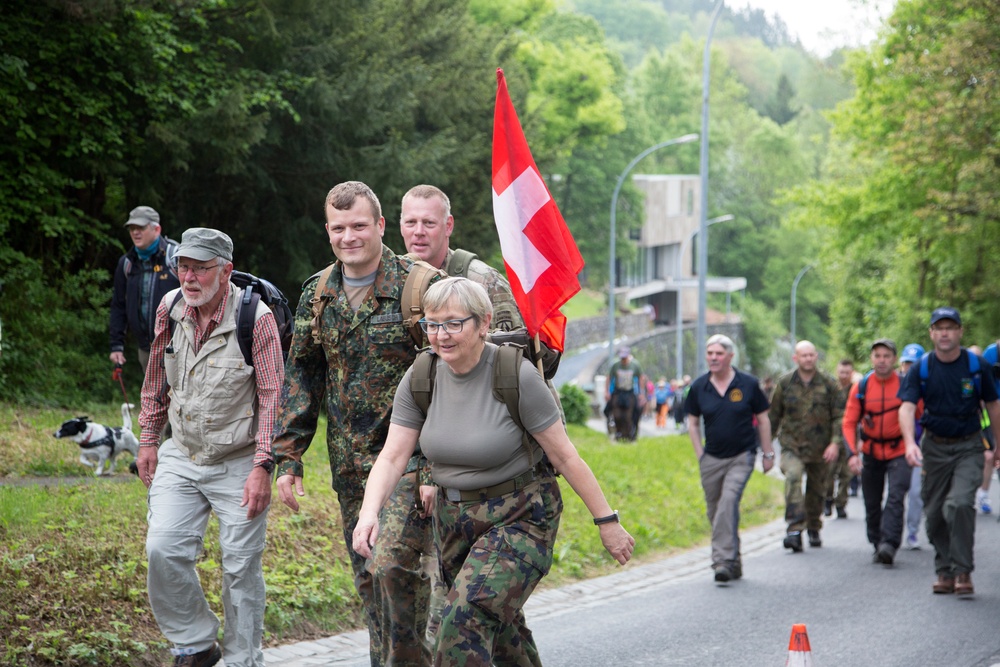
x: 799, y: 652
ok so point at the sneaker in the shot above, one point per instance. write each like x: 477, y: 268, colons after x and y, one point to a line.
x: 841, y: 512
x: 912, y: 542
x: 945, y: 585
x: 793, y: 541
x: 205, y: 658
x: 983, y: 501
x: 963, y: 585
x: 814, y: 540
x: 828, y: 507
x: 885, y: 553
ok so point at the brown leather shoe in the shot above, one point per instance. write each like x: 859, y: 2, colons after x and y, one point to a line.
x: 963, y: 585
x: 944, y: 585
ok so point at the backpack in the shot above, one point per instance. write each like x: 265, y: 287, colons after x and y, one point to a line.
x: 169, y: 258
x: 506, y: 385
x: 255, y: 290
x: 862, y: 388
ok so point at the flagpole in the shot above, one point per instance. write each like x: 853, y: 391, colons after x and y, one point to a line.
x: 687, y: 138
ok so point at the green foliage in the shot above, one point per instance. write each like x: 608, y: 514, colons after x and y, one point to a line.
x: 762, y: 330
x: 575, y: 404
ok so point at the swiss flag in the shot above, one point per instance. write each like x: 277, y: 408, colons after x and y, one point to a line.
x: 540, y: 254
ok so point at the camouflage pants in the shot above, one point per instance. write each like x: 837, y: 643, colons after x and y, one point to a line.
x: 839, y: 474
x: 349, y: 509
x: 803, y: 512
x: 493, y: 554
x: 402, y: 584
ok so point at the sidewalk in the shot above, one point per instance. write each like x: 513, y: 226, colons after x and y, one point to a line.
x: 351, y: 647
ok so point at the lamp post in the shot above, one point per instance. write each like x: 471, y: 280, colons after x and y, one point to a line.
x: 687, y: 138
x: 795, y: 287
x: 703, y: 246
x: 680, y: 321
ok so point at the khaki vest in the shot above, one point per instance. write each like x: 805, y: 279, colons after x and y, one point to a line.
x: 213, y: 394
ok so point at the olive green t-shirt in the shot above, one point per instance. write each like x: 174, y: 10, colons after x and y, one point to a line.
x: 468, y: 435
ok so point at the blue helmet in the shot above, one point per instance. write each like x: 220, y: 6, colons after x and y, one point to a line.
x: 912, y: 353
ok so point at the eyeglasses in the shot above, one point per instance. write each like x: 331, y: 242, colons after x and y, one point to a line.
x: 450, y: 326
x: 200, y: 271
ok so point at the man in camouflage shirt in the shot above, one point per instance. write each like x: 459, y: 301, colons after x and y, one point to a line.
x: 426, y: 224
x: 352, y: 372
x: 806, y: 416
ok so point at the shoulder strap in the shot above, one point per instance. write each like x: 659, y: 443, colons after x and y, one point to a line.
x: 507, y: 389
x: 975, y: 370
x: 460, y: 262
x: 417, y: 281
x: 862, y: 388
x: 318, y: 302
x: 422, y: 379
x: 170, y: 320
x: 246, y: 317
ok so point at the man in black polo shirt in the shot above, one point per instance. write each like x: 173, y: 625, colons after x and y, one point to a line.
x: 952, y: 383
x: 729, y: 400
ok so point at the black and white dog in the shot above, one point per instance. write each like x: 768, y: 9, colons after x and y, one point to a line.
x: 99, y: 445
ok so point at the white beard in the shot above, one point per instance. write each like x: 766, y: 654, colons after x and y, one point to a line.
x: 206, y: 294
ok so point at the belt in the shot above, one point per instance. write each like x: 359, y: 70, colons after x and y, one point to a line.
x: 941, y: 440
x: 501, y: 489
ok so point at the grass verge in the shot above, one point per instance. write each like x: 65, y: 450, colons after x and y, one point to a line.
x: 72, y: 560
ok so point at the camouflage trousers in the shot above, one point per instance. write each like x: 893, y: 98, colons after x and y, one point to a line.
x: 803, y: 512
x: 393, y: 586
x: 403, y: 550
x: 839, y: 474
x: 493, y: 554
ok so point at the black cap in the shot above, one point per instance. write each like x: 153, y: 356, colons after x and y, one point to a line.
x: 946, y: 313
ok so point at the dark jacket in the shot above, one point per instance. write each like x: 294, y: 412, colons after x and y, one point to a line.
x: 125, y: 298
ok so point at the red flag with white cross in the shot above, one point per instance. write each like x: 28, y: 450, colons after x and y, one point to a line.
x: 539, y: 252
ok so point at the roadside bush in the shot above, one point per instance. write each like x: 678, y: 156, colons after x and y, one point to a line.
x: 575, y: 404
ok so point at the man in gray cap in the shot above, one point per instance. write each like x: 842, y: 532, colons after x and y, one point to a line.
x: 219, y: 458
x: 143, y: 275
x: 953, y: 382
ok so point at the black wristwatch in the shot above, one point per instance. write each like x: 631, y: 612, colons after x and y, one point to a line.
x: 267, y: 465
x: 611, y: 518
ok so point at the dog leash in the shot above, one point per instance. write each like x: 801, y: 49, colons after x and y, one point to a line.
x: 117, y: 375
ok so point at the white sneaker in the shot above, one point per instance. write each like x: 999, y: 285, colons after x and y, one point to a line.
x: 912, y: 542
x: 983, y: 501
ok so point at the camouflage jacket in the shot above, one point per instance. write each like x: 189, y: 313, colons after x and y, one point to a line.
x: 352, y: 374
x: 506, y: 316
x: 806, y: 417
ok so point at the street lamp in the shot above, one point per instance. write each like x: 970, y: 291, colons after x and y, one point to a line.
x: 686, y: 139
x: 795, y: 287
x: 680, y: 321
x: 703, y: 246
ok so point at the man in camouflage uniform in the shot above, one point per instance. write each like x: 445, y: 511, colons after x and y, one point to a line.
x: 352, y: 370
x: 806, y: 416
x: 426, y: 224
x: 839, y: 475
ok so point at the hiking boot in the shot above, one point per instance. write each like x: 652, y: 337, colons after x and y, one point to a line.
x: 945, y: 585
x: 828, y: 507
x: 963, y: 585
x: 841, y: 512
x: 885, y: 553
x: 205, y: 658
x: 814, y: 540
x: 793, y: 541
x: 737, y: 570
x: 722, y: 574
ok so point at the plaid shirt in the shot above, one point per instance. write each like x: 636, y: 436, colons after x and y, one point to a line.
x: 268, y: 365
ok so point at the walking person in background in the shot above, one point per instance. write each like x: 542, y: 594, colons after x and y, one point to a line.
x: 839, y: 475
x: 499, y: 505
x: 874, y: 404
x: 143, y: 275
x: 735, y: 411
x: 217, y: 460
x: 990, y: 446
x: 914, y: 503
x: 663, y: 395
x: 951, y: 449
x: 806, y: 415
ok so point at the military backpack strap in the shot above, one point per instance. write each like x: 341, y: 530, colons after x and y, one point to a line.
x: 506, y: 389
x: 460, y: 262
x: 422, y: 379
x: 318, y: 302
x: 411, y: 304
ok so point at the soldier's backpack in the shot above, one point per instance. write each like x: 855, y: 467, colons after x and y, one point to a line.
x: 255, y: 290
x: 506, y: 385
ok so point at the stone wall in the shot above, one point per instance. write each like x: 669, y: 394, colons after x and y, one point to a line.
x: 588, y: 331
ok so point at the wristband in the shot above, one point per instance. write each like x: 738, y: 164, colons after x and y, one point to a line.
x: 769, y: 456
x: 611, y: 518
